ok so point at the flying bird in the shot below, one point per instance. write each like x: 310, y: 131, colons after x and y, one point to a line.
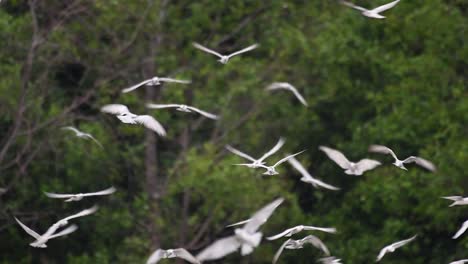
x: 66, y: 231
x: 372, y: 13
x: 124, y: 115
x: 224, y: 58
x: 297, y: 244
x: 350, y: 168
x: 289, y: 87
x: 183, y: 108
x: 247, y: 238
x: 271, y: 170
x: 462, y: 261
x: 294, y: 230
x: 461, y: 230
x: 79, y: 196
x: 153, y: 82
x: 307, y: 178
x: 82, y: 134
x: 171, y: 253
x: 330, y: 260
x: 401, y: 163
x: 257, y: 162
x: 391, y: 248
x: 52, y: 229
x: 458, y: 200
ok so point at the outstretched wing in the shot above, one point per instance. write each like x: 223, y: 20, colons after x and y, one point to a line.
x: 151, y: 123
x: 385, y: 7
x: 205, y: 49
x: 219, y: 249
x: 272, y: 151
x: 280, y: 235
x: 306, y: 177
x: 103, y: 192
x: 82, y: 213
x: 316, y: 242
x: 160, y: 106
x: 239, y: 223
x: 336, y: 156
x: 367, y: 164
x: 421, y: 162
x: 461, y: 230
x: 239, y: 153
x: 362, y: 9
x: 261, y: 216
x: 403, y: 242
x: 382, y: 253
x: 289, y: 87
x: 71, y: 129
x: 280, y: 250
x: 58, y: 195
x: 155, y: 257
x: 382, y: 149
x: 331, y: 230
x: 136, y: 86
x: 28, y: 230
x: 115, y: 109
x: 287, y: 158
x: 174, y: 80
x: 203, y: 113
x: 184, y: 254
x: 249, y: 48
x: 66, y: 231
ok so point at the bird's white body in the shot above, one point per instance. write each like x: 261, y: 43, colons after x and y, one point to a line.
x: 401, y: 163
x: 36, y: 236
x: 246, y: 238
x: 457, y: 200
x: 294, y: 230
x: 224, y: 58
x: 462, y: 230
x: 271, y: 170
x: 125, y: 116
x: 392, y: 247
x: 372, y: 13
x: 256, y: 163
x: 183, y: 108
x: 171, y: 253
x: 330, y: 260
x: 351, y: 168
x: 461, y: 261
x: 154, y: 82
x: 298, y: 244
x: 80, y: 196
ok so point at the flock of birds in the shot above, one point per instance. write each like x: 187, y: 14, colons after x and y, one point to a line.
x: 247, y: 237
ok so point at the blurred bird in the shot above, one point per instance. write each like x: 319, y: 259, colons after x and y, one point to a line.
x: 52, y: 229
x: 124, y: 115
x: 462, y: 261
x: 79, y: 196
x: 271, y: 170
x: 458, y: 200
x: 330, y: 260
x: 289, y: 87
x: 461, y: 230
x: 401, y: 163
x: 256, y: 162
x: 307, y: 178
x: 224, y: 58
x: 247, y: 237
x: 183, y: 108
x: 297, y: 244
x: 153, y: 82
x: 351, y: 168
x: 294, y: 230
x: 372, y: 13
x: 393, y: 247
x: 171, y: 253
x: 66, y: 231
x: 82, y: 134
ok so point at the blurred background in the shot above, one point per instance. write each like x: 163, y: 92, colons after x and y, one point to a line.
x: 400, y: 82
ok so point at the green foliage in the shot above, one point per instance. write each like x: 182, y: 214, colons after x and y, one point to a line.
x: 400, y: 82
